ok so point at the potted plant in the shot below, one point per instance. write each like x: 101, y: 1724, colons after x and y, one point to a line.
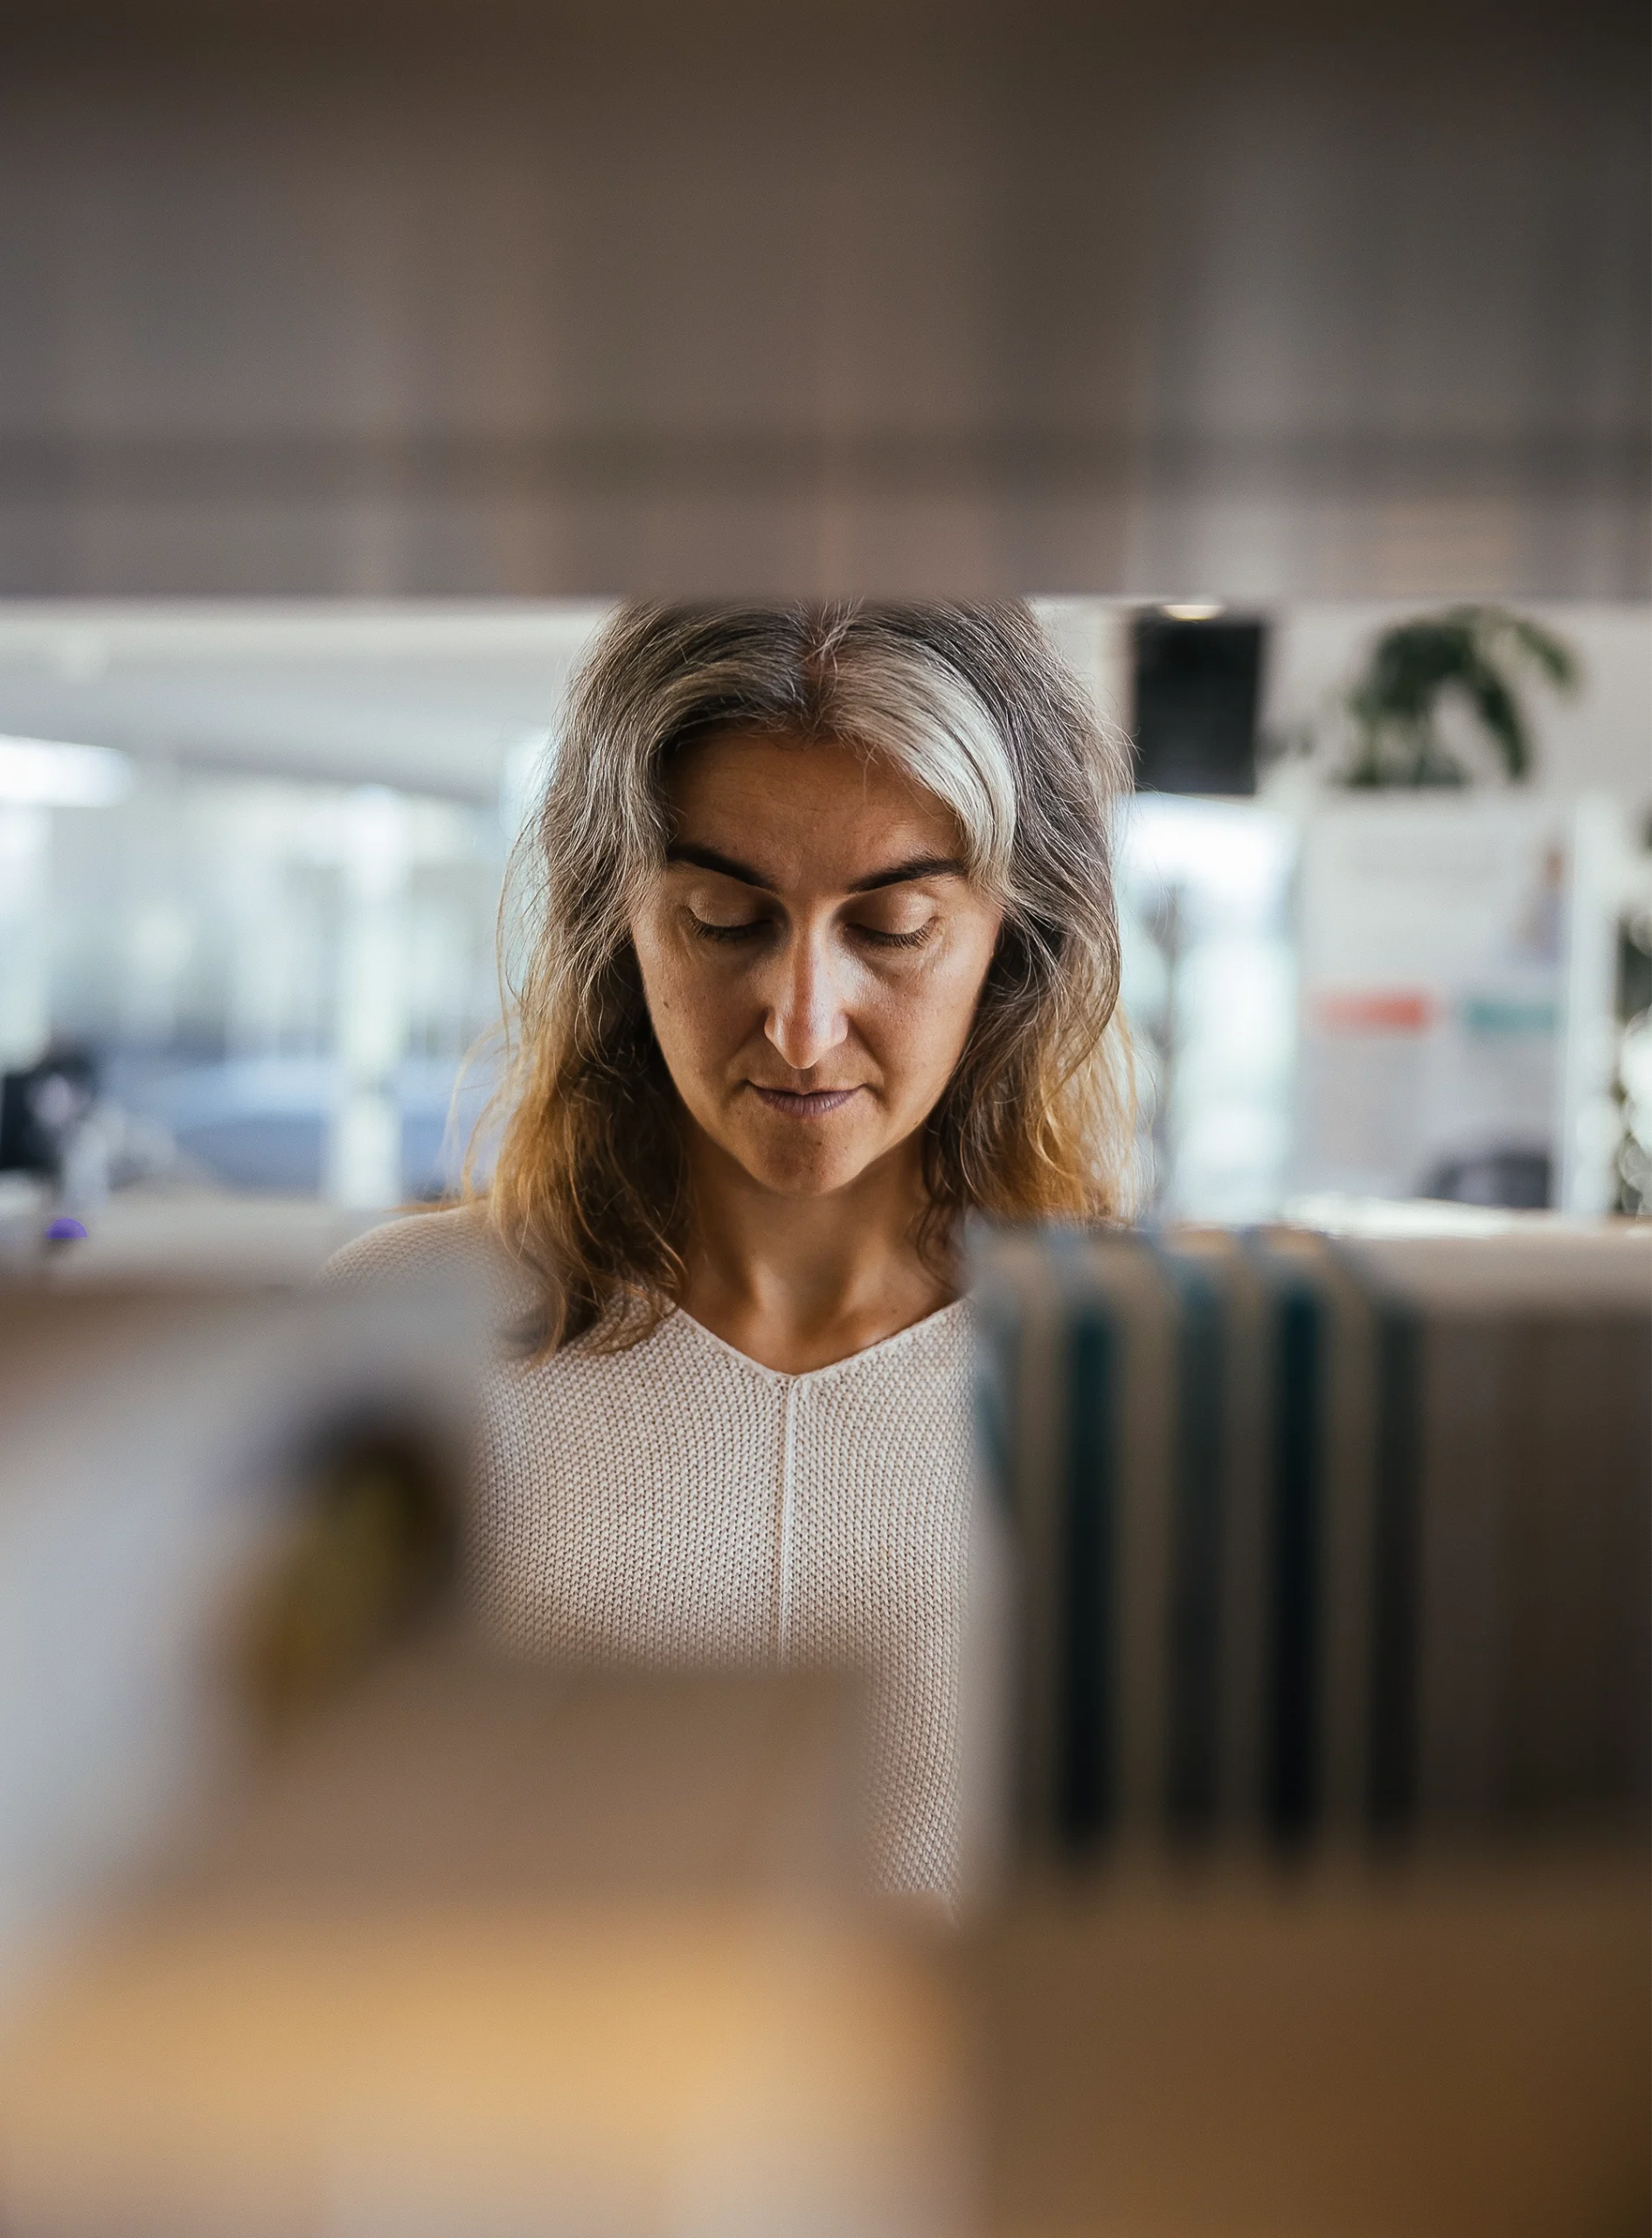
x: 1473, y: 656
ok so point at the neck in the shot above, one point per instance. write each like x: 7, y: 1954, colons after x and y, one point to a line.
x: 798, y: 1283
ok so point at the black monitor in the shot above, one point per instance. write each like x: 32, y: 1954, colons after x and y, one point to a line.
x: 41, y: 1107
x: 1198, y: 682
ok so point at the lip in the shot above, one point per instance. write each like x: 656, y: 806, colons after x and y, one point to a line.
x: 816, y: 1104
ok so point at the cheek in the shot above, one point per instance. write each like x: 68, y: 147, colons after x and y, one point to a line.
x: 651, y: 965
x: 688, y: 1002
x: 927, y: 1019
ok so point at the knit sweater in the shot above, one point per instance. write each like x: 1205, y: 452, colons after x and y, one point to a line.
x: 679, y: 1503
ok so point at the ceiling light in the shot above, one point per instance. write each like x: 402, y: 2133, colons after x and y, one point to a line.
x: 1198, y: 609
x: 43, y: 773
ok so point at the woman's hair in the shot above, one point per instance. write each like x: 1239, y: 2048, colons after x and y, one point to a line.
x: 589, y: 1185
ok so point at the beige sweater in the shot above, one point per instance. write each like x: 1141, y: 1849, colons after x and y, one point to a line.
x: 679, y: 1503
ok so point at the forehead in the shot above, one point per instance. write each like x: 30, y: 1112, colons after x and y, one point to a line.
x: 800, y: 798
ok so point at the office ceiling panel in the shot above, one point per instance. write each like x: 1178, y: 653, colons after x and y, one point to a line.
x: 430, y: 698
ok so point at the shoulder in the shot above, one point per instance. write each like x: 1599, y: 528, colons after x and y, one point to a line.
x: 457, y: 1246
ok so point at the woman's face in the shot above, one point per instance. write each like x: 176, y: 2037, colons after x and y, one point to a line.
x: 811, y: 953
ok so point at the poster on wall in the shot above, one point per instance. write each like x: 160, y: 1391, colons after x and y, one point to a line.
x: 1432, y: 976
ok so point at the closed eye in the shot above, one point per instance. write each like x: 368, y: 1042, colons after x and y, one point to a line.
x: 706, y: 931
x: 915, y: 939
x: 754, y: 927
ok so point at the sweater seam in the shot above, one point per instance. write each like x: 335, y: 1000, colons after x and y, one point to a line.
x: 788, y: 1475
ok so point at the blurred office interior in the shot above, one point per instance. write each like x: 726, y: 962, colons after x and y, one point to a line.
x: 256, y: 856
x: 356, y: 359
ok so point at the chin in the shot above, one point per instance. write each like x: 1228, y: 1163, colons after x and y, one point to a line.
x: 794, y: 1169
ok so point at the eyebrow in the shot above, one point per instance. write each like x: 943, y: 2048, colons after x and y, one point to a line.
x: 707, y: 858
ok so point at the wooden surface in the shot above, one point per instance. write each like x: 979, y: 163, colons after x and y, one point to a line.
x: 578, y: 2071
x: 1452, y: 2054
x: 1452, y: 2058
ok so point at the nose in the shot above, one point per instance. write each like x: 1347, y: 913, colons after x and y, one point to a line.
x: 805, y: 1018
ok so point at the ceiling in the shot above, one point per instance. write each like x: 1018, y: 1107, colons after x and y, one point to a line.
x: 430, y: 698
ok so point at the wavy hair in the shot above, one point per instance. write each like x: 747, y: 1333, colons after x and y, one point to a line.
x: 589, y: 1186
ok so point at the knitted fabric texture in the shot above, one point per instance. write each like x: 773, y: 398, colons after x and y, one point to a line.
x: 679, y: 1503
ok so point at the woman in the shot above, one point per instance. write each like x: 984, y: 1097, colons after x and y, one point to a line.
x: 822, y: 956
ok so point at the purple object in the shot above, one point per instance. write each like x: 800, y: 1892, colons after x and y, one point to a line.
x: 65, y: 1230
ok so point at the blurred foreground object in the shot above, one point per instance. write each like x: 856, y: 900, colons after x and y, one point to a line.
x: 445, y: 1774
x: 318, y: 1921
x: 1325, y: 1540
x: 321, y: 1924
x: 1431, y: 2054
x: 160, y: 1450
x: 469, y: 2074
x: 495, y: 300
x: 1431, y: 2057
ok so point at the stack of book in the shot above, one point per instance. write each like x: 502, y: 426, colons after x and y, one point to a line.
x: 1322, y: 1538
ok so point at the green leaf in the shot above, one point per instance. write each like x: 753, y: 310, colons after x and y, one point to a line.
x: 1476, y: 650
